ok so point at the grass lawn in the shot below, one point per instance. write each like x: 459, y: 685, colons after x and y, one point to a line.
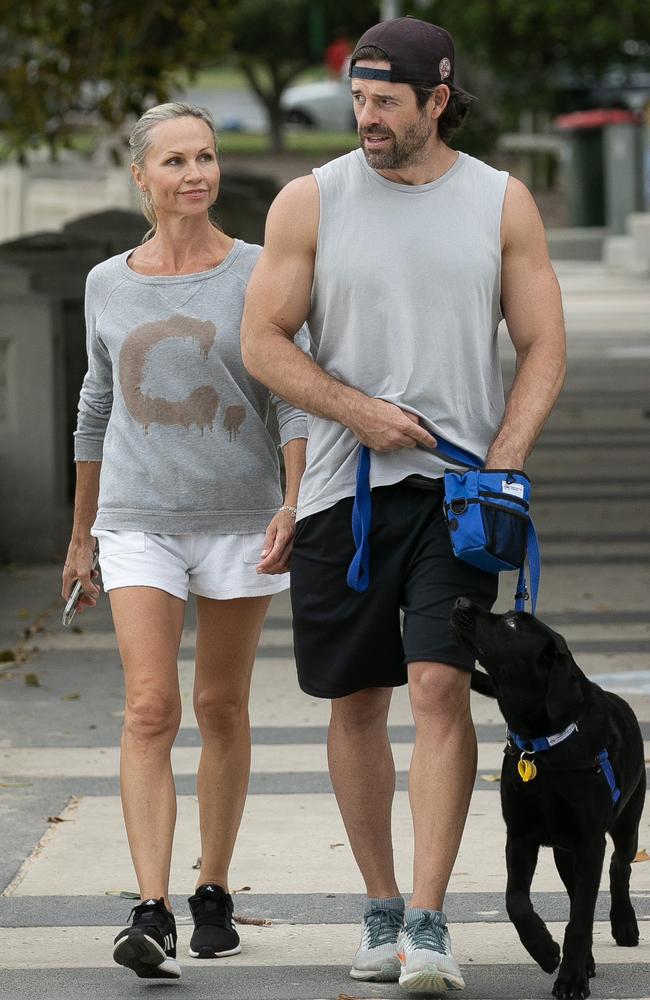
x: 306, y: 141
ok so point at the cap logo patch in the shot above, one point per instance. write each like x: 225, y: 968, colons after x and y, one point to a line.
x: 445, y: 68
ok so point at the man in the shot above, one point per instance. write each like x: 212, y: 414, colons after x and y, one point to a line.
x: 402, y: 256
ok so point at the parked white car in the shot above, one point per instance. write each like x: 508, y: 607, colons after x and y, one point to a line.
x: 325, y: 105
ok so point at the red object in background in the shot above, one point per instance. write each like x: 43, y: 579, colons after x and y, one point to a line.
x: 336, y: 55
x: 596, y: 118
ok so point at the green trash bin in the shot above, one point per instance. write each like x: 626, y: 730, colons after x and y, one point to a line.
x: 593, y: 181
x: 583, y: 164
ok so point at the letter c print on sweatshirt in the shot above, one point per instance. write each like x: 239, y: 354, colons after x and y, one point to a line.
x: 199, y: 407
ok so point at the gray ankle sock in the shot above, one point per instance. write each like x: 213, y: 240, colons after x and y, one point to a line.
x: 413, y: 913
x: 392, y: 903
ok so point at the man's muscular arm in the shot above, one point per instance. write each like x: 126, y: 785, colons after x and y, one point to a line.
x: 278, y: 303
x: 532, y: 307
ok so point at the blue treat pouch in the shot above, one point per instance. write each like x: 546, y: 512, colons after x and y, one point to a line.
x: 487, y: 514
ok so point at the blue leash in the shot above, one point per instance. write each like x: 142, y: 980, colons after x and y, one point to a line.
x: 359, y: 570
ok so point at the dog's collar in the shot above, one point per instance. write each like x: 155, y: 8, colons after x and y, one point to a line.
x: 531, y: 747
x: 541, y: 742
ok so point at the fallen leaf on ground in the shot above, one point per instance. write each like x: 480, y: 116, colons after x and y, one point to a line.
x: 254, y: 921
x: 57, y: 819
x: 15, y: 784
x: 641, y: 855
x: 32, y: 681
x: 71, y: 697
x: 23, y: 613
x: 244, y: 888
x: 197, y: 865
x: 122, y: 893
x: 337, y: 845
x: 490, y: 777
x: 7, y: 656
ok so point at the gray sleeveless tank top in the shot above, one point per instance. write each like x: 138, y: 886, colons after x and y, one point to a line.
x: 405, y: 307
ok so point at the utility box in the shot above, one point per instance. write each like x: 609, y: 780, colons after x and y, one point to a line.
x: 623, y: 155
x: 34, y: 505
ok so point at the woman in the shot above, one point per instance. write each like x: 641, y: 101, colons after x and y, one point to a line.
x: 177, y: 478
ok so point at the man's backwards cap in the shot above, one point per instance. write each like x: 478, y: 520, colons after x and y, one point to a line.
x: 418, y: 53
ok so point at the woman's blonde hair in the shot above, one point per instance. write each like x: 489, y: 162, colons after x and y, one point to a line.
x: 140, y: 140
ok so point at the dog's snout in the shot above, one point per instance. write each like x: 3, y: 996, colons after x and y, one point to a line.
x: 463, y: 616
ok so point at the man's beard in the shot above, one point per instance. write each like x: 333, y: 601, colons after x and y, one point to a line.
x: 404, y: 151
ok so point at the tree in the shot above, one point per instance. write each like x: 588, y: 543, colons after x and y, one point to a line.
x: 276, y: 40
x: 532, y: 47
x: 62, y: 61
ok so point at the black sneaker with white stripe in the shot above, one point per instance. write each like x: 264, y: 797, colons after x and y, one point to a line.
x: 214, y: 933
x: 148, y: 945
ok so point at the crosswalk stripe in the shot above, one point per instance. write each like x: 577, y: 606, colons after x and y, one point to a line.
x: 289, y: 759
x: 303, y: 844
x: 283, y: 944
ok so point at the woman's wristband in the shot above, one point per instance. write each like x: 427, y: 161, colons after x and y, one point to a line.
x: 287, y: 506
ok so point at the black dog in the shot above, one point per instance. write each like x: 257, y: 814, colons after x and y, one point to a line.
x: 573, y: 770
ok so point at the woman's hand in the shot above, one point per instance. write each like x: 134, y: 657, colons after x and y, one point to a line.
x: 278, y: 544
x: 77, y: 567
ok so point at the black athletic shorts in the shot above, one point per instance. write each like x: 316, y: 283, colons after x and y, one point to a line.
x: 345, y: 641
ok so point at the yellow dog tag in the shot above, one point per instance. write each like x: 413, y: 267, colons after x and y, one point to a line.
x: 527, y: 769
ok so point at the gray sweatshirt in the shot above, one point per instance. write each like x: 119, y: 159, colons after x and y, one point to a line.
x: 168, y: 408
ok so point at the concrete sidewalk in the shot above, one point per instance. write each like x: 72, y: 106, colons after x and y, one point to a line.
x: 65, y: 858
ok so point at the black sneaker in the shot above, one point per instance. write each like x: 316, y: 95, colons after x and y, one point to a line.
x: 214, y: 933
x: 148, y: 946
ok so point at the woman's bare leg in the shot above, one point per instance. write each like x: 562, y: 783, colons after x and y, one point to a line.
x: 228, y: 634
x: 148, y: 624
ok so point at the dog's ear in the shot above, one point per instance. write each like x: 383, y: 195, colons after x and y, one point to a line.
x: 483, y: 684
x: 564, y: 696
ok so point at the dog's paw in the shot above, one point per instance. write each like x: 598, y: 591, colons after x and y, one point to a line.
x: 625, y: 929
x: 547, y: 954
x: 571, y: 986
x: 591, y: 967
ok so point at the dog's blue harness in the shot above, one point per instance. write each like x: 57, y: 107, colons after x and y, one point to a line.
x: 606, y: 768
x: 540, y: 743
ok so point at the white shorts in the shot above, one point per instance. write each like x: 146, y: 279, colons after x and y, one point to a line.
x: 218, y: 566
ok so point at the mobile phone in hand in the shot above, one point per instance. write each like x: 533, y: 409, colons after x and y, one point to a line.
x: 70, y: 609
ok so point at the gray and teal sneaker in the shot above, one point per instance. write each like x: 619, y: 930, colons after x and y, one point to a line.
x: 424, y: 950
x: 376, y: 958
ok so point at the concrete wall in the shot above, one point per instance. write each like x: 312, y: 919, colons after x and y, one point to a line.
x: 46, y: 196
